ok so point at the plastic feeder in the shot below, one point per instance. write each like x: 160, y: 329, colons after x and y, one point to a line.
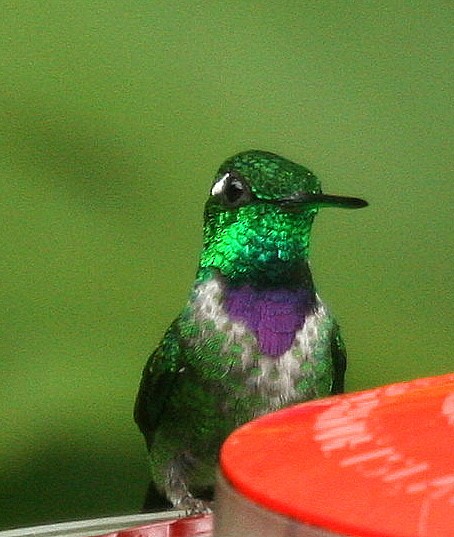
x: 378, y: 463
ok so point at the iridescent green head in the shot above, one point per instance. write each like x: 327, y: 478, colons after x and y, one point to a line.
x: 258, y: 218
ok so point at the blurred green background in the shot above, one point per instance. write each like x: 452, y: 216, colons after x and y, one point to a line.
x: 114, y: 117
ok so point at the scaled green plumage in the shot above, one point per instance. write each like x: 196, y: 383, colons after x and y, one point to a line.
x: 253, y: 337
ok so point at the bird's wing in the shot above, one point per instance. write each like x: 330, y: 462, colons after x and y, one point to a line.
x: 158, y: 379
x: 339, y: 357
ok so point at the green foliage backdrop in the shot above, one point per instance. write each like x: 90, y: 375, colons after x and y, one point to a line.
x: 113, y: 118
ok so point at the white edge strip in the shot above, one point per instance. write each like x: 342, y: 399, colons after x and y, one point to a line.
x: 97, y: 526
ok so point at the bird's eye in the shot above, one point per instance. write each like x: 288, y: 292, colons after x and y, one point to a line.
x: 232, y: 189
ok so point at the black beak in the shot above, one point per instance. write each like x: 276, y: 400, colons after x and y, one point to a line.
x: 322, y: 200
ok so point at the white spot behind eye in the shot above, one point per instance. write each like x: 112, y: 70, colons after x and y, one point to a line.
x: 218, y: 187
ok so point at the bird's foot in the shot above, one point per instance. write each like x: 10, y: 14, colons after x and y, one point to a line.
x: 193, y: 506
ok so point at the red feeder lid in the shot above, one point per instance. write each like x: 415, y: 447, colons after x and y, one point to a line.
x: 378, y: 463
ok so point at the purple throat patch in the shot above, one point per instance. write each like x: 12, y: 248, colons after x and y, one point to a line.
x: 273, y: 315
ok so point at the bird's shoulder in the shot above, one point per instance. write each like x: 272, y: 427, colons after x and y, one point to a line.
x: 158, y: 377
x: 339, y: 358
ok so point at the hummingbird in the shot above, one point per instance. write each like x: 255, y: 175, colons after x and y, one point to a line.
x: 254, y: 335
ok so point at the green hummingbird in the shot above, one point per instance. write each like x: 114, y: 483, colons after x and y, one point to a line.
x: 254, y: 335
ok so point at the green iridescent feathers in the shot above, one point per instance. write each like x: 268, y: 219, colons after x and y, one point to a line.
x: 248, y: 237
x: 270, y: 176
x: 254, y: 335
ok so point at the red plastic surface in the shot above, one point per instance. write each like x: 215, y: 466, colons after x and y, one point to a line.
x: 194, y: 526
x: 378, y: 463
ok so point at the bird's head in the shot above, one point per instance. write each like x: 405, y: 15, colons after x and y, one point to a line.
x: 259, y: 215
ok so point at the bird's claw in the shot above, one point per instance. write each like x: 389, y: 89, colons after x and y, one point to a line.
x: 193, y: 506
